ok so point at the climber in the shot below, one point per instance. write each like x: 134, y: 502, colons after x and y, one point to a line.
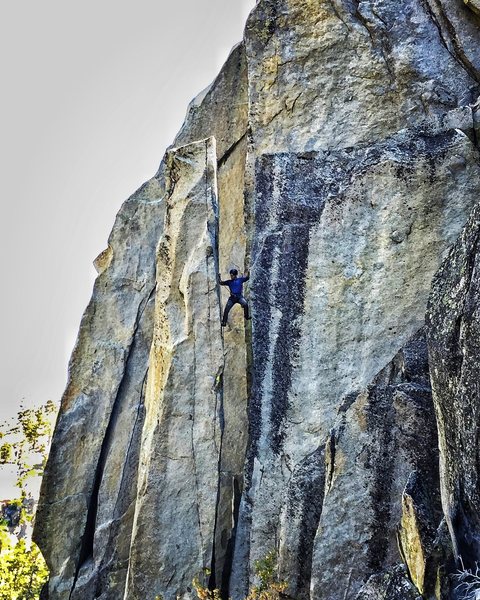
x: 236, y: 287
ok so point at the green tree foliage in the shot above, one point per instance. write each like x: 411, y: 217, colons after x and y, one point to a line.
x: 269, y: 588
x: 201, y: 587
x: 23, y: 444
x: 22, y: 568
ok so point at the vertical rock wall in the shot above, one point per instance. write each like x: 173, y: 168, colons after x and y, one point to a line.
x: 453, y: 335
x: 86, y: 517
x: 333, y: 314
x: 102, y: 408
x: 180, y: 451
x: 336, y: 156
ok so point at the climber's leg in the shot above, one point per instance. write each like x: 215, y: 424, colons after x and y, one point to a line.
x: 244, y: 305
x: 230, y: 302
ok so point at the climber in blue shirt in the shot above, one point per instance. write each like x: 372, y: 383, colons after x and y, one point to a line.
x: 235, y: 284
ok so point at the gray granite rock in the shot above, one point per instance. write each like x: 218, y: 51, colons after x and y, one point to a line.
x: 86, y: 513
x: 375, y: 448
x: 340, y: 285
x: 453, y: 339
x: 336, y: 156
x: 106, y: 374
x: 391, y: 584
x: 337, y: 73
x: 182, y: 434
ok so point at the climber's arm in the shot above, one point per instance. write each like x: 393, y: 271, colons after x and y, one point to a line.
x: 220, y: 280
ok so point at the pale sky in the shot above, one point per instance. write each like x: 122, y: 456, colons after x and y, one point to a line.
x: 92, y: 93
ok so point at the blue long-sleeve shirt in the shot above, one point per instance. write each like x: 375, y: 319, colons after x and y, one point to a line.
x: 235, y: 285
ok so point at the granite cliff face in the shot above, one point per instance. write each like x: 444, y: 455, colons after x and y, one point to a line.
x: 336, y: 155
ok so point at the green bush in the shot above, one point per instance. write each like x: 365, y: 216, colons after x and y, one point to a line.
x: 23, y: 571
x: 270, y: 587
x: 24, y: 445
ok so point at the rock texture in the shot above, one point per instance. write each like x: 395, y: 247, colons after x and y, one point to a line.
x: 453, y: 326
x: 101, y: 415
x: 392, y: 584
x: 336, y: 156
x: 374, y: 450
x: 473, y: 5
x: 182, y: 436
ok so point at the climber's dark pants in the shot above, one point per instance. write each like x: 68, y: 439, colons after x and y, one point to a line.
x: 230, y: 302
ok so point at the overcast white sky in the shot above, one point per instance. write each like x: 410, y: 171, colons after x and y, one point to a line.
x: 92, y: 93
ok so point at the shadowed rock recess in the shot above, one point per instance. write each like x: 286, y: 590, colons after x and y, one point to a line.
x: 336, y: 156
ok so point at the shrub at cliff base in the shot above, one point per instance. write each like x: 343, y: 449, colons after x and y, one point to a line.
x: 268, y: 589
x: 23, y: 445
x: 22, y: 568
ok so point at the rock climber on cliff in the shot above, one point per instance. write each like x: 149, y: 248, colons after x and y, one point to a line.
x: 235, y: 284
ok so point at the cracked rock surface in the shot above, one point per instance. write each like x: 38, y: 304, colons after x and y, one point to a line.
x: 453, y: 338
x: 336, y: 156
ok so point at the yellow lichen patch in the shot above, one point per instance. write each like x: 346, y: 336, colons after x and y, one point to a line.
x: 411, y: 543
x: 69, y: 396
x: 309, y: 11
x: 103, y: 260
x: 359, y: 407
x: 335, y: 463
x: 473, y: 5
x: 270, y: 71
